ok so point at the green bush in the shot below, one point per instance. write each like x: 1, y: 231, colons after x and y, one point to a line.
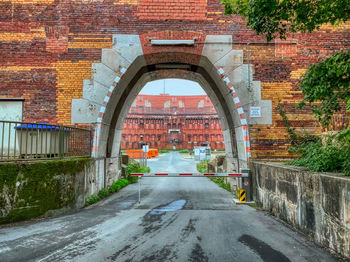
x: 135, y: 168
x: 329, y: 156
x: 124, y: 182
x: 202, y: 166
x: 183, y: 151
x: 103, y: 193
x: 92, y: 199
x: 132, y: 168
x: 114, y: 187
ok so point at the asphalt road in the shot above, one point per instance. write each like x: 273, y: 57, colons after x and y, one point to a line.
x: 179, y: 219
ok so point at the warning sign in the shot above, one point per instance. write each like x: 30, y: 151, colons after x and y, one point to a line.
x: 242, y: 195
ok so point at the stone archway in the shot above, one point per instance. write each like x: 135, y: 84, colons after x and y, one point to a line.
x: 129, y: 65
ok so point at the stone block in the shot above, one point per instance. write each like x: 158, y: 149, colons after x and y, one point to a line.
x: 217, y: 46
x: 242, y: 73
x: 103, y: 74
x: 94, y: 91
x: 84, y: 111
x: 128, y: 46
x: 114, y: 60
x: 231, y: 61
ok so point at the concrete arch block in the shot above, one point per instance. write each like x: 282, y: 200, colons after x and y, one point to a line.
x: 94, y: 91
x: 113, y: 60
x: 84, y: 111
x: 217, y: 46
x: 102, y: 74
x: 242, y: 73
x: 128, y: 46
x: 230, y: 61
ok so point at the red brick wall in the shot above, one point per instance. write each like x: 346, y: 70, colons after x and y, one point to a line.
x: 165, y: 9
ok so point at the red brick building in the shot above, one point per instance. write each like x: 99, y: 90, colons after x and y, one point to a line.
x: 162, y: 121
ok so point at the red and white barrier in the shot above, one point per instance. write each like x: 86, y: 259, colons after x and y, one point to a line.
x: 190, y: 174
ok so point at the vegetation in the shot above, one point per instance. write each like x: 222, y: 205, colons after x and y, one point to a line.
x: 327, y: 83
x: 183, y: 151
x: 326, y: 87
x: 275, y: 18
x: 135, y: 167
x: 132, y: 167
x: 328, y: 154
x: 30, y: 189
x: 221, y: 182
x: 104, y: 192
x: 92, y: 199
x: 163, y: 151
x: 202, y: 166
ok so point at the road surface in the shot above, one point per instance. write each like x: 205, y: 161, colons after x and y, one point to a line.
x: 179, y: 219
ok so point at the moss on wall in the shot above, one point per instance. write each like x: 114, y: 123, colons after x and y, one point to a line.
x: 30, y: 189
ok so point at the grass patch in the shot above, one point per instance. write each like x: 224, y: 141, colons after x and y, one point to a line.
x: 163, y: 151
x: 221, y: 182
x: 183, y: 151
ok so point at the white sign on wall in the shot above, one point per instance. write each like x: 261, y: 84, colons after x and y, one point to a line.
x: 255, y: 111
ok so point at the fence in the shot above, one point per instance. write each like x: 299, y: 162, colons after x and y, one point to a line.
x: 28, y: 141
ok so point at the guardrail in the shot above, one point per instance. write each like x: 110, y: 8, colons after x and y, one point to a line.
x: 29, y: 141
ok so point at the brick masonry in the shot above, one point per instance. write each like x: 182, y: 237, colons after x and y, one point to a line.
x: 163, y: 121
x: 47, y: 48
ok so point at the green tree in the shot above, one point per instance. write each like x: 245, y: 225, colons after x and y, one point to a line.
x: 274, y: 18
x: 328, y: 84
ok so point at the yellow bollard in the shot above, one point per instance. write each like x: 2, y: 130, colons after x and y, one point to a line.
x: 242, y: 195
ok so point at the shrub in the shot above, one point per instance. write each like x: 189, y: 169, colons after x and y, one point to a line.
x: 202, y: 166
x: 92, y: 199
x: 132, y: 168
x: 103, y: 193
x: 135, y: 168
x: 323, y: 157
x: 114, y: 187
x: 133, y: 179
x: 123, y: 182
x: 183, y: 151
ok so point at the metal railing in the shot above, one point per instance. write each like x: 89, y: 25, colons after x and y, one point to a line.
x: 29, y: 141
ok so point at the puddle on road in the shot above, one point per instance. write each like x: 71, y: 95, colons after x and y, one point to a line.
x: 173, y: 206
x: 152, y: 221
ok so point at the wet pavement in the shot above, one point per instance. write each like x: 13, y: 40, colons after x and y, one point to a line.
x: 179, y: 219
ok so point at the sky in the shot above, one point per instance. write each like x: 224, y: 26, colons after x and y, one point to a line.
x: 173, y: 86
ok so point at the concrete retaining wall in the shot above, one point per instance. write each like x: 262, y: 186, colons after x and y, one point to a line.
x: 316, y: 203
x: 33, y: 189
